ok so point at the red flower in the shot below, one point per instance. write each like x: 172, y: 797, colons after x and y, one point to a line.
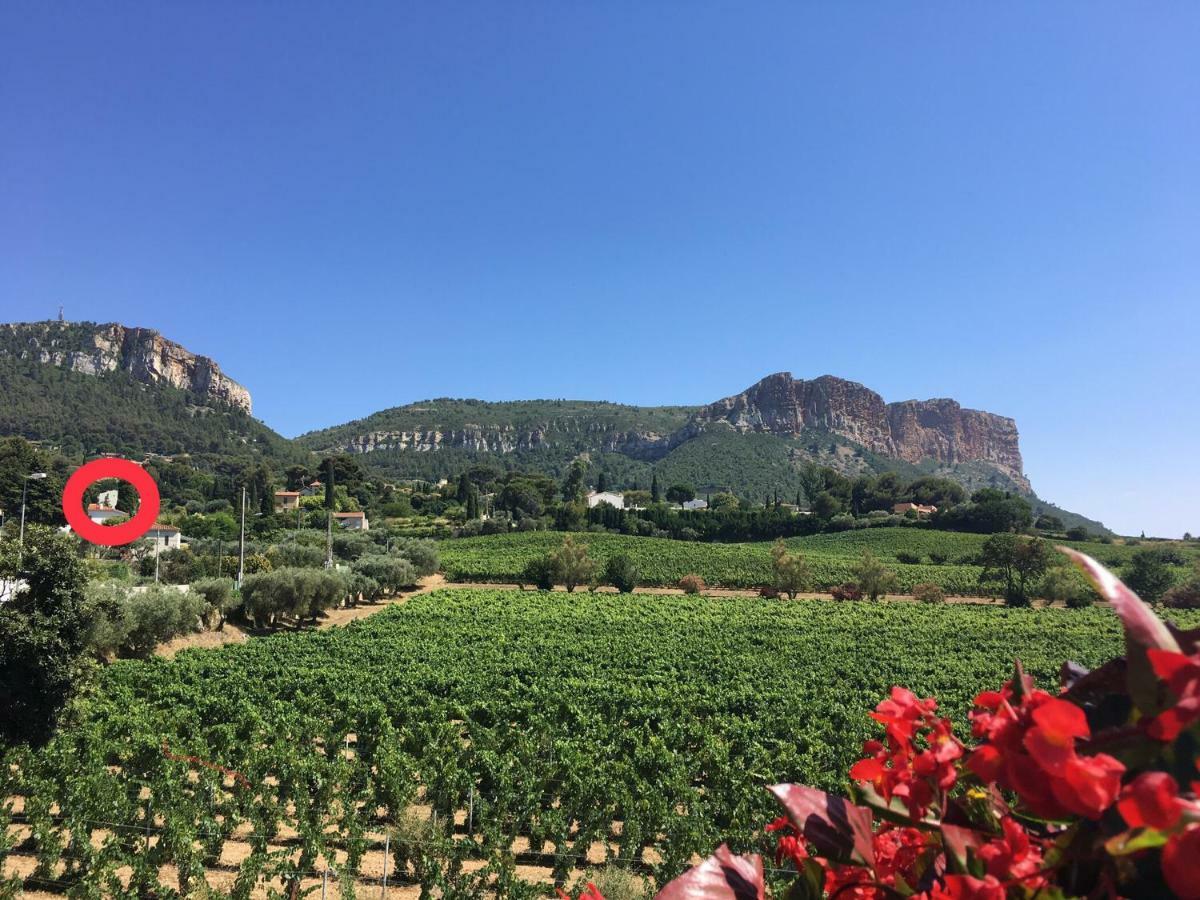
x: 1151, y: 800
x: 1030, y: 749
x: 1179, y: 863
x: 964, y: 887
x: 917, y: 762
x: 790, y: 845
x: 1014, y: 856
x: 1182, y: 675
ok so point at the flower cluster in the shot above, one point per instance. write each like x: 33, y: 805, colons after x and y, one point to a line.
x: 1031, y: 749
x: 916, y: 760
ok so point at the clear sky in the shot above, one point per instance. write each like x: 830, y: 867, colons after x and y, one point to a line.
x: 352, y: 207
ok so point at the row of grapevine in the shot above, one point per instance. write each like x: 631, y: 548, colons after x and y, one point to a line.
x: 644, y: 724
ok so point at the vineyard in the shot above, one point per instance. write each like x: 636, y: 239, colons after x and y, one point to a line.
x: 488, y: 740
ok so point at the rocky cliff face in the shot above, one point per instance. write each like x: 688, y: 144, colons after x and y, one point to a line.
x: 506, y: 439
x: 913, y: 430
x: 140, y: 352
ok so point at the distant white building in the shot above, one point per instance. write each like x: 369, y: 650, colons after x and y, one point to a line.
x: 165, y: 537
x: 612, y: 498
x: 100, y: 513
x: 354, y: 521
x: 108, y: 498
x: 696, y: 504
x: 287, y: 501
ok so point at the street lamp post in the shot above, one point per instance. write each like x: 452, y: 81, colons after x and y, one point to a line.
x: 24, y: 494
x: 242, y: 544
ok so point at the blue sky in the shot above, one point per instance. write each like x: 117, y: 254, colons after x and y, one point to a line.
x: 352, y: 207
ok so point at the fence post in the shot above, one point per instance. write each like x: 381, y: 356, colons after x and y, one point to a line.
x: 324, y: 882
x: 471, y: 812
x: 387, y: 849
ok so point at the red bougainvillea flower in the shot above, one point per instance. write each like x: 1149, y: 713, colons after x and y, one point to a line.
x: 1181, y: 863
x: 1182, y: 675
x: 1014, y: 856
x: 964, y: 887
x: 1031, y: 749
x: 917, y: 761
x: 790, y: 845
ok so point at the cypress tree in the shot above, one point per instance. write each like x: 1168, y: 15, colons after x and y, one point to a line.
x: 654, y: 497
x: 602, y: 482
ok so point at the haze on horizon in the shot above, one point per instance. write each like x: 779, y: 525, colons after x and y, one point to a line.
x: 646, y: 204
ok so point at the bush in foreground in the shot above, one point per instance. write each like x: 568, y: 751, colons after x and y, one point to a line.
x: 691, y: 584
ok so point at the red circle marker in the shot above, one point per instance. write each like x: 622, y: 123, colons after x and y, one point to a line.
x: 110, y: 535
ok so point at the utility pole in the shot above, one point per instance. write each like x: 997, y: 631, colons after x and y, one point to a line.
x: 24, y: 494
x: 157, y: 544
x: 242, y: 544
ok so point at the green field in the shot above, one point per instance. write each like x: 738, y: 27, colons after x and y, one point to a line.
x: 831, y: 557
x: 545, y: 715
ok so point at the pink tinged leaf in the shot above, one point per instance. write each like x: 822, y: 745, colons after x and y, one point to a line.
x: 1143, y: 630
x: 838, y: 829
x: 958, y: 841
x: 723, y: 876
x: 1142, y: 626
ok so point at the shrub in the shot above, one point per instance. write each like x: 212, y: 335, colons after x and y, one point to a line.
x: 220, y: 598
x: 390, y: 573
x: 928, y: 593
x: 1148, y: 574
x: 539, y: 572
x: 873, y: 577
x: 301, y: 593
x: 691, y: 584
x: 1186, y: 595
x: 1183, y: 596
x: 791, y: 572
x: 909, y: 558
x: 572, y: 565
x: 133, y: 621
x: 846, y: 592
x: 621, y: 573
x: 1059, y: 586
x: 841, y: 522
x: 1077, y: 533
x: 768, y: 592
x: 938, y: 558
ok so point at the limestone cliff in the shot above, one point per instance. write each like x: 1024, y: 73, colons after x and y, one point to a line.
x: 912, y: 430
x: 142, y: 353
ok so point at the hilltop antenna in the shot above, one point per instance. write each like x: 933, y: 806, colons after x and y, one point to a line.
x: 60, y: 313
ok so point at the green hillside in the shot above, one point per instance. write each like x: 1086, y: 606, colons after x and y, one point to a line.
x: 84, y: 415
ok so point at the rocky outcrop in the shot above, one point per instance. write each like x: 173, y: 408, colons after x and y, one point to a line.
x: 913, y: 430
x: 142, y: 353
x: 506, y: 439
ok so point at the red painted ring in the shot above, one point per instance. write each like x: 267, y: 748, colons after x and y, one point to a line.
x: 110, y: 535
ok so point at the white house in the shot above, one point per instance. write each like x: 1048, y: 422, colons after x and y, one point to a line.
x: 612, y: 498
x: 108, y: 498
x: 100, y: 513
x: 165, y: 537
x: 355, y: 521
x: 696, y: 504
